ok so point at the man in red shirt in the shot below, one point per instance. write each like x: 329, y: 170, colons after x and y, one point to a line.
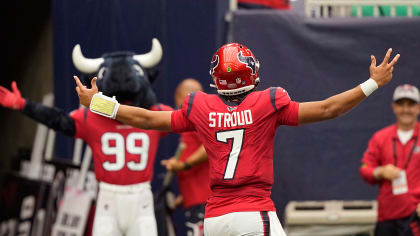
x: 237, y: 128
x: 192, y: 168
x: 392, y: 160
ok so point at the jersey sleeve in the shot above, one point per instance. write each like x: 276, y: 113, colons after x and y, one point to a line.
x: 286, y: 109
x: 370, y: 161
x: 80, y: 120
x: 161, y: 107
x: 180, y: 121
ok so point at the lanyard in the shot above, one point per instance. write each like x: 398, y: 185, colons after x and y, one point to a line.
x: 409, y: 156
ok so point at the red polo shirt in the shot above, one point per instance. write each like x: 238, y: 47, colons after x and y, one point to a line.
x: 380, y: 152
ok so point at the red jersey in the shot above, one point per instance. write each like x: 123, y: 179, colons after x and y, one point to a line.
x: 239, y: 140
x: 122, y: 154
x: 380, y: 152
x: 194, y: 183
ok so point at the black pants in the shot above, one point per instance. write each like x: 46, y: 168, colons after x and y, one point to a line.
x: 408, y: 226
x: 195, y: 220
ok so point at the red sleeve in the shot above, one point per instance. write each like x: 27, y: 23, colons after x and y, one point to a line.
x: 161, y: 107
x: 180, y: 119
x: 370, y: 161
x: 79, y: 116
x: 286, y: 109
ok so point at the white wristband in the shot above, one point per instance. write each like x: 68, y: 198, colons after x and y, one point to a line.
x: 104, y: 105
x: 369, y: 86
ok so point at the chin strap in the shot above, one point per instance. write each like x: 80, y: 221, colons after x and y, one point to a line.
x: 104, y: 105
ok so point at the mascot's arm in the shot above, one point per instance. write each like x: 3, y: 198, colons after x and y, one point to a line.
x: 52, y: 117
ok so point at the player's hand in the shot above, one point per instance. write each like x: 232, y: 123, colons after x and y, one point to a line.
x: 12, y: 100
x: 173, y: 164
x: 85, y: 94
x: 389, y: 172
x: 382, y: 74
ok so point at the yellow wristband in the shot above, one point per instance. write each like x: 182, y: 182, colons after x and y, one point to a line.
x: 104, y: 105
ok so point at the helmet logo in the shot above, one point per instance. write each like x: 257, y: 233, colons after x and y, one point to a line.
x: 229, y: 69
x: 249, y: 61
x: 214, y: 64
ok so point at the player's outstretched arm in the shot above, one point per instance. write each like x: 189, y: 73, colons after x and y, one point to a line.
x: 341, y: 103
x: 144, y: 119
x: 134, y: 116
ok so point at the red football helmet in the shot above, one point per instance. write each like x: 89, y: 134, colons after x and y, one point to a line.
x: 234, y: 69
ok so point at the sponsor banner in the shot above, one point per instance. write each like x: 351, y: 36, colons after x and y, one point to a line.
x: 30, y: 207
x: 23, y: 203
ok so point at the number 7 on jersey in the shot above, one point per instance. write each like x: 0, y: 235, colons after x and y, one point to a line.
x: 237, y: 137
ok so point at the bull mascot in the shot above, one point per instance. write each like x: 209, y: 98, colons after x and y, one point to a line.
x: 123, y: 156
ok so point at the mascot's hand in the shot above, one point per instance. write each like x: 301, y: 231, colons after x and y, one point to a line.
x: 12, y: 100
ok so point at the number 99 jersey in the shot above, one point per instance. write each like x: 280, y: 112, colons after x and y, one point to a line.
x: 122, y: 154
x: 239, y: 140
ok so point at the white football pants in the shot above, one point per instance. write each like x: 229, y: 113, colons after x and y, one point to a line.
x: 124, y: 210
x: 248, y: 223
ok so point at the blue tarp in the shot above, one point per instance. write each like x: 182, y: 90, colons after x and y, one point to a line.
x: 314, y: 59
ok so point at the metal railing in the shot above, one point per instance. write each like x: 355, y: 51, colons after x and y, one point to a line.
x: 344, y: 8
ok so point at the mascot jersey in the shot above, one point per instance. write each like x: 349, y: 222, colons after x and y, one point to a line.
x: 122, y: 154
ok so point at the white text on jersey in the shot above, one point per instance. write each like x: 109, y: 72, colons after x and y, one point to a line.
x: 227, y: 120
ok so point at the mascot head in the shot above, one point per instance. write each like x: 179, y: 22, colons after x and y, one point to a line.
x: 123, y: 74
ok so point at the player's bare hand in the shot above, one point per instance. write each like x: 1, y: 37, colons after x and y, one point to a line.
x: 85, y: 94
x: 389, y: 172
x: 382, y: 73
x: 173, y: 164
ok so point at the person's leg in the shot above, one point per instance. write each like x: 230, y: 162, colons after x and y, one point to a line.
x: 386, y: 228
x: 415, y: 228
x: 275, y: 225
x: 220, y: 225
x: 144, y: 222
x: 409, y: 226
x: 105, y: 222
x: 195, y: 220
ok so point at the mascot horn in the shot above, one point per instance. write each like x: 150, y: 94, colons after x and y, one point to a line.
x: 123, y: 74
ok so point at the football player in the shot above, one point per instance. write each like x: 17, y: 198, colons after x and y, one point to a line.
x: 237, y: 128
